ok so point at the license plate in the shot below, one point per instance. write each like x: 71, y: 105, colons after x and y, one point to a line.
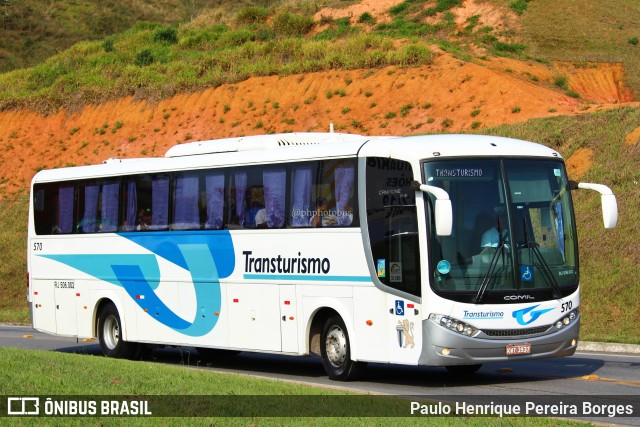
x: 513, y: 349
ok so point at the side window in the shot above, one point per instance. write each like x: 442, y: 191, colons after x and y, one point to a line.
x: 150, y: 194
x: 302, y: 194
x: 186, y: 209
x: 247, y: 197
x: 392, y: 222
x: 323, y: 194
x: 257, y: 197
x: 54, y: 208
x: 214, y: 199
x: 275, y: 186
x: 98, y: 206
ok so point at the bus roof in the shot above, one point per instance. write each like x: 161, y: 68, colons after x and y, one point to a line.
x: 278, y: 148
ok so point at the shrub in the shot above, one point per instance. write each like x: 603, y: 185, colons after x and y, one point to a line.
x: 404, y: 110
x: 413, y: 54
x: 519, y: 6
x: 290, y: 24
x: 633, y: 41
x: 166, y: 35
x: 108, y: 44
x: 252, y: 15
x: 237, y: 37
x: 366, y: 18
x: 144, y: 58
x: 561, y: 82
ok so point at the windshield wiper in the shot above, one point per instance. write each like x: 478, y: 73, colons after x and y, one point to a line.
x: 546, y: 270
x: 489, y: 274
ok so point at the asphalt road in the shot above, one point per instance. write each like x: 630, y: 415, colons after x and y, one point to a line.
x: 604, y: 378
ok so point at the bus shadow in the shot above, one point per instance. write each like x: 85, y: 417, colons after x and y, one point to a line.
x: 400, y: 375
x: 489, y: 374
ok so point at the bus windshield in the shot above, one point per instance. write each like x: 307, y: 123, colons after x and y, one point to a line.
x: 513, y: 236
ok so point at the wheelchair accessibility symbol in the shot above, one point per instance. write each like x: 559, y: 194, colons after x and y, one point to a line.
x: 526, y: 273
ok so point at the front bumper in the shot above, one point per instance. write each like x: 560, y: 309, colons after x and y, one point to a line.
x: 464, y: 350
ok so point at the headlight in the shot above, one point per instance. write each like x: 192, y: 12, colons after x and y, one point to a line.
x: 567, y: 320
x: 454, y: 325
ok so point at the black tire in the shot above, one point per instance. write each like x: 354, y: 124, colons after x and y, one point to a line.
x: 335, y: 350
x: 109, y: 330
x: 463, y: 370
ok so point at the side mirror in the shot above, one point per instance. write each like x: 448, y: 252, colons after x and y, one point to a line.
x: 608, y: 201
x: 443, y: 210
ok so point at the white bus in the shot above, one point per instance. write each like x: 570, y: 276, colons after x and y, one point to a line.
x: 442, y: 250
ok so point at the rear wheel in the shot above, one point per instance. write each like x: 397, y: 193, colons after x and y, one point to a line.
x: 110, y: 335
x: 335, y: 350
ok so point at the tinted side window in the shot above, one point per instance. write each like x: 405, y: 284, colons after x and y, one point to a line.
x: 392, y: 221
x: 323, y: 194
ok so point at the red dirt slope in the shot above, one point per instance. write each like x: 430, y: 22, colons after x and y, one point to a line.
x: 448, y: 95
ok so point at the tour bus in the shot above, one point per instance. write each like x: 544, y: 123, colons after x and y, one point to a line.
x: 440, y: 250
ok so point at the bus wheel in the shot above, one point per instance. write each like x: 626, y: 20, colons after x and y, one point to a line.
x: 109, y: 334
x: 336, y: 352
x: 461, y: 370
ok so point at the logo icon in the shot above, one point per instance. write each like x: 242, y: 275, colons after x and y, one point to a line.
x: 526, y: 273
x: 405, y: 334
x: 399, y: 308
x: 23, y: 406
x: 519, y: 315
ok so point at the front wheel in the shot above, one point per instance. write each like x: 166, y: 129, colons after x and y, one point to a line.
x: 110, y: 335
x: 335, y: 350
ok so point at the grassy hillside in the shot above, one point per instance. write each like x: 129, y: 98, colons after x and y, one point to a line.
x: 33, y: 30
x: 585, y: 31
x: 154, y: 61
x: 609, y: 259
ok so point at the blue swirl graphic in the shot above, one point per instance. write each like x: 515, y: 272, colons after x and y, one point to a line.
x: 208, y: 256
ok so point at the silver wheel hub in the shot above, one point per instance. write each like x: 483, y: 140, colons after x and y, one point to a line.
x: 111, y: 332
x: 336, y: 344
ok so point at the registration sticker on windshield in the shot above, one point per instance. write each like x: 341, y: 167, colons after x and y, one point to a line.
x: 514, y: 349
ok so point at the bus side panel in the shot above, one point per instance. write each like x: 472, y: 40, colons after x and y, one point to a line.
x: 371, y: 320
x: 44, y: 307
x: 84, y: 314
x: 65, y: 299
x: 254, y: 316
x: 289, y: 312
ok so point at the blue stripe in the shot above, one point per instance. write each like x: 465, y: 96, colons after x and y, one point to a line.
x: 307, y: 277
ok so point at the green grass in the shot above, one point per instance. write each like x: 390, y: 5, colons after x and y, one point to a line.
x: 158, y: 60
x: 92, y: 377
x: 216, y: 43
x: 583, y: 31
x: 13, y: 247
x: 200, y: 58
